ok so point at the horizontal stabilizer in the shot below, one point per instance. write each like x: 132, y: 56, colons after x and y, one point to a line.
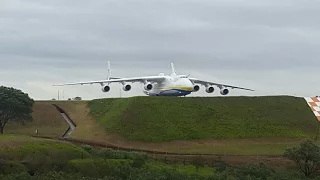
x: 115, y: 78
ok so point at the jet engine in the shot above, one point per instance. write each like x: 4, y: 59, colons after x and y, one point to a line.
x: 105, y: 88
x: 224, y: 91
x: 126, y: 87
x: 196, y: 88
x: 209, y: 89
x: 148, y: 86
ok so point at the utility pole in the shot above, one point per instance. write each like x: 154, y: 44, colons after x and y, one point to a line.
x: 58, y: 95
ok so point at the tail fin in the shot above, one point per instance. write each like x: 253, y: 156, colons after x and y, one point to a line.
x: 173, y: 69
x: 109, y: 77
x: 109, y: 71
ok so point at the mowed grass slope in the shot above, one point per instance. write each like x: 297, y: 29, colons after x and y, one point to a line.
x: 170, y: 118
x: 46, y: 119
x: 37, y: 153
x: 50, y: 123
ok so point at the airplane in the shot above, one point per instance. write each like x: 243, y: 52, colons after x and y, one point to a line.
x: 162, y: 85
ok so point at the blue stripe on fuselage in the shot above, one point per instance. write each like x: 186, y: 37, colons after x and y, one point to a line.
x: 174, y: 92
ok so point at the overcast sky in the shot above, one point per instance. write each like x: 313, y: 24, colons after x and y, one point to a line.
x: 271, y: 46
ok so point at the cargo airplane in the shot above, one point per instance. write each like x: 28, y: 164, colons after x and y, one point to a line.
x: 162, y: 85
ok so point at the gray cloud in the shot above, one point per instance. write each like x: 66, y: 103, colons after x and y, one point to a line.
x: 271, y: 46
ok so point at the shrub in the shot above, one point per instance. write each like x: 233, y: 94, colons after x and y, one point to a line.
x: 18, y: 175
x: 306, y: 156
x: 85, y: 167
x: 118, y: 154
x: 260, y: 171
x: 99, y: 167
x: 10, y: 167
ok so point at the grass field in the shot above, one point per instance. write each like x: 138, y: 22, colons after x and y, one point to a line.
x: 158, y: 119
x: 19, y: 147
x: 12, y: 141
x: 50, y: 123
x: 46, y: 119
x: 232, y: 125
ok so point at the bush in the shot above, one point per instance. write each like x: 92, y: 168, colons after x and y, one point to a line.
x: 87, y: 148
x: 85, y: 167
x: 99, y: 167
x: 118, y: 154
x: 306, y: 156
x: 261, y: 171
x: 52, y: 175
x: 46, y: 156
x: 10, y: 167
x: 18, y: 175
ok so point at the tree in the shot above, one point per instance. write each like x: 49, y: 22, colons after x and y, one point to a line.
x: 15, y: 106
x: 306, y: 156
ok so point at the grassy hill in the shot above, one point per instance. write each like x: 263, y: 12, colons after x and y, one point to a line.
x: 169, y: 118
x: 50, y: 123
x: 46, y: 119
x: 221, y: 125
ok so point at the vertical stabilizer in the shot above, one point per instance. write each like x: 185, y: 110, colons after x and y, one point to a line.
x: 173, y: 69
x: 109, y: 71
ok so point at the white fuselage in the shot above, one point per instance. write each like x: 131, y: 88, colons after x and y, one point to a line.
x: 171, y: 86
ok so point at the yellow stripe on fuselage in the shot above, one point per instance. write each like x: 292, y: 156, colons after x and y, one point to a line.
x: 184, y: 88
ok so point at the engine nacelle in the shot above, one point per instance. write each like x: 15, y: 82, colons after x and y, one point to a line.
x: 196, y: 88
x: 148, y: 86
x: 209, y: 89
x: 105, y: 88
x: 126, y: 87
x: 224, y: 91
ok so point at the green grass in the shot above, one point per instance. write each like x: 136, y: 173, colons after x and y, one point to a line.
x: 189, y: 170
x: 50, y: 123
x: 19, y: 147
x: 242, y: 147
x: 224, y: 125
x: 11, y: 140
x: 124, y: 165
x: 169, y: 118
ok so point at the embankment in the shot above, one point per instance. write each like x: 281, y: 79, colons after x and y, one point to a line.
x: 221, y: 125
x: 158, y: 119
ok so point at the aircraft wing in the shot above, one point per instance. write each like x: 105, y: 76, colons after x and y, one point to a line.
x: 120, y: 80
x: 202, y: 82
